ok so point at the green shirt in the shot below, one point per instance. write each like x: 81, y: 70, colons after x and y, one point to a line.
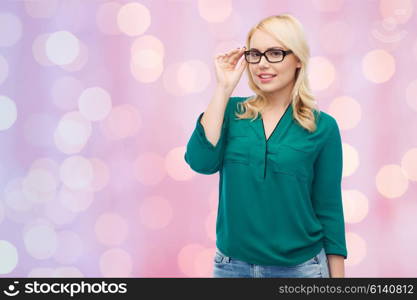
x: 280, y: 199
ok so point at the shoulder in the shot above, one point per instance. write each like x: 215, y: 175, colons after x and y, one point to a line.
x: 325, y: 119
x: 326, y: 123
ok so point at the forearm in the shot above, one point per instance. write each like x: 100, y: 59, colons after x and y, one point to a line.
x: 212, y: 119
x: 336, y: 265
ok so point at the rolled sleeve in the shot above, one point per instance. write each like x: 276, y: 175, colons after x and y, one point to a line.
x: 327, y: 194
x: 201, y: 155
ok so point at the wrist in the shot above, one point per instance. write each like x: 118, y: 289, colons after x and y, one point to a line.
x: 224, y: 91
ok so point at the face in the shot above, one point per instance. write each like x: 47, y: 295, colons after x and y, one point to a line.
x: 284, y: 70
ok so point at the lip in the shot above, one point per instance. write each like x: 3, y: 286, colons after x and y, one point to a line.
x: 265, y: 80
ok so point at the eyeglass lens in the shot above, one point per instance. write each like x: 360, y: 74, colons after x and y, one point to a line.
x: 272, y: 55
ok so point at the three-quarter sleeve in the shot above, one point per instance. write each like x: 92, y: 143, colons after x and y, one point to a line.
x: 327, y: 194
x: 202, y: 156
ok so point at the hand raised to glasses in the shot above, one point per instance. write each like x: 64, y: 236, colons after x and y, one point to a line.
x: 228, y: 71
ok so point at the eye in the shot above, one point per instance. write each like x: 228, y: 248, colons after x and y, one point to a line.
x: 276, y: 53
x: 254, y: 53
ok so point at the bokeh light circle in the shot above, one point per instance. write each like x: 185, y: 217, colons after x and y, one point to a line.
x: 8, y: 112
x: 4, y: 69
x: 322, y: 73
x: 378, y: 66
x: 351, y: 160
x: 116, y: 262
x: 8, y: 257
x: 176, y: 166
x: 40, y: 241
x: 39, y: 186
x: 409, y: 164
x: 76, y: 172
x: 355, y: 206
x: 62, y: 47
x: 347, y: 112
x: 133, y: 19
x: 94, y: 103
x: 123, y: 121
x: 356, y: 248
x: 391, y: 181
x: 10, y: 29
x: 70, y: 247
x: 72, y: 133
x: 215, y: 11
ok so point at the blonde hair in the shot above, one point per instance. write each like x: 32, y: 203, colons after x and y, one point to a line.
x: 288, y: 31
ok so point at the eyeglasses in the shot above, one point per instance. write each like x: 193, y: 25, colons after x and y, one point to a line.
x: 271, y: 55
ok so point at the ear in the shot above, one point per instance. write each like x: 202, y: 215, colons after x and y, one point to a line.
x: 298, y: 65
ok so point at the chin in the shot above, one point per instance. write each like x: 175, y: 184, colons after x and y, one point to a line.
x: 269, y: 88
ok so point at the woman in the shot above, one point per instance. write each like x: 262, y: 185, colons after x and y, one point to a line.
x: 279, y: 157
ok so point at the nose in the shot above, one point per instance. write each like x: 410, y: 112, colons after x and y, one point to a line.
x: 263, y: 62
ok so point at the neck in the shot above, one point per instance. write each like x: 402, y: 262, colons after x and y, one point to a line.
x: 280, y: 99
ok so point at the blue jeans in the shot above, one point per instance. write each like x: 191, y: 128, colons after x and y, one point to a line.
x: 226, y: 266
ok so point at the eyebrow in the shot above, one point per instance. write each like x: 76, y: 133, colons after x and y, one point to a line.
x: 268, y: 48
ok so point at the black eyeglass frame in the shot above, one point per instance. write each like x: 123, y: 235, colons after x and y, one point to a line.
x: 284, y: 53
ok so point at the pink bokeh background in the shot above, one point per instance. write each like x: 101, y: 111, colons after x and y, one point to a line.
x: 99, y: 98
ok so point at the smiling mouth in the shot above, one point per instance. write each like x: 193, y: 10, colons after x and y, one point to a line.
x: 267, y: 77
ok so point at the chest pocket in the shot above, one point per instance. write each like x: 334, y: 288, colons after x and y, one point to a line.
x: 294, y: 160
x: 237, y: 145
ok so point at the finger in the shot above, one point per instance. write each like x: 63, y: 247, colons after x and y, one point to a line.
x: 234, y: 52
x: 223, y: 56
x: 232, y: 56
x: 236, y: 56
x: 230, y: 52
x: 242, y: 64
